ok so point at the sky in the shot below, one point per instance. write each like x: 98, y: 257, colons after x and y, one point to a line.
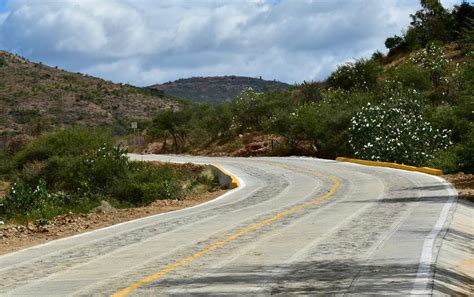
x: 144, y: 42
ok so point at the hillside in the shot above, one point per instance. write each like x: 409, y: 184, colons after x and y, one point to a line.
x: 34, y: 96
x: 216, y: 88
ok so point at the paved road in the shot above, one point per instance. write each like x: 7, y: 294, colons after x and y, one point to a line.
x: 295, y: 226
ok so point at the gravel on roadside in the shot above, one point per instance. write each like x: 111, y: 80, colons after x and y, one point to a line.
x: 16, y: 237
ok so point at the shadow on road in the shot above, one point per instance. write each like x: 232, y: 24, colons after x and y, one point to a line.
x: 432, y: 199
x: 316, y: 278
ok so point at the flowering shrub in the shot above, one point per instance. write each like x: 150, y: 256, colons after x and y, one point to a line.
x: 34, y: 202
x: 433, y: 58
x: 394, y: 132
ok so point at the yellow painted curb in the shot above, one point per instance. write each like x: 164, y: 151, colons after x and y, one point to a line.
x: 234, y: 181
x: 427, y: 170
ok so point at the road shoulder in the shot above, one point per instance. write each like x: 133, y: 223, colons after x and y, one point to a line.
x: 454, y: 270
x: 18, y: 237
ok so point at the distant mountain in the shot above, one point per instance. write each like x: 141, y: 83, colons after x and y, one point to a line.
x: 37, y: 96
x: 215, y: 88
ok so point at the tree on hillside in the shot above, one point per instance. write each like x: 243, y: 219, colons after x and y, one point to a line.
x: 432, y: 22
x: 170, y: 123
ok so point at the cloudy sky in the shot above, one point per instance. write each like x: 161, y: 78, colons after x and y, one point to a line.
x: 152, y: 41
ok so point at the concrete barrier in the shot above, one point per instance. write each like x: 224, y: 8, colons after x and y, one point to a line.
x: 427, y: 170
x: 226, y: 179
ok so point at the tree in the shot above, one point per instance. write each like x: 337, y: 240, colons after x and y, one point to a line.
x: 169, y: 122
x: 393, y: 42
x: 307, y: 92
x: 432, y: 22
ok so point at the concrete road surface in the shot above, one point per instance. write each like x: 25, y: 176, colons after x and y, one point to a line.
x: 295, y: 226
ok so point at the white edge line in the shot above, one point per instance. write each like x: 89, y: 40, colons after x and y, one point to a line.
x: 242, y: 186
x: 426, y: 258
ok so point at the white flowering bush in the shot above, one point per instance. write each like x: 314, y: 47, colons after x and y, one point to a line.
x: 394, y: 132
x: 433, y: 58
x: 249, y: 111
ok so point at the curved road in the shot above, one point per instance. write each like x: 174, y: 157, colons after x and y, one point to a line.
x: 295, y: 226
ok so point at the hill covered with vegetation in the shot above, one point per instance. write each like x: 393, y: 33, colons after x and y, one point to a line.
x: 216, y: 88
x: 413, y: 105
x: 35, y: 97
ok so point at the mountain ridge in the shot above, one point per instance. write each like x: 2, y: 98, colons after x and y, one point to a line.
x: 215, y: 88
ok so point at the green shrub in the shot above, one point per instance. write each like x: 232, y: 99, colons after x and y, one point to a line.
x: 146, y: 183
x: 361, y: 75
x: 447, y: 160
x: 24, y: 116
x: 412, y: 76
x: 25, y: 203
x: 92, y: 171
x: 299, y: 125
x: 334, y: 115
x: 466, y: 152
x: 6, y: 163
x: 69, y: 142
x: 74, y: 169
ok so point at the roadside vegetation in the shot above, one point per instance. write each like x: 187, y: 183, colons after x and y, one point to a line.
x: 73, y: 170
x: 413, y: 106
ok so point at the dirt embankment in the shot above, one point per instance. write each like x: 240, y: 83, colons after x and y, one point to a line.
x: 464, y: 184
x: 16, y: 237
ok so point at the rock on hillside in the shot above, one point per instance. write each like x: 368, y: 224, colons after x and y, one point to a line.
x: 34, y: 95
x: 215, y: 89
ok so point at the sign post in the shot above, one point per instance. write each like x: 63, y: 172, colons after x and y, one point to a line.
x: 134, y: 126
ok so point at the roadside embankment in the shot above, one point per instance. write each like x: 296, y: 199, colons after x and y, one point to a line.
x: 464, y: 184
x: 17, y: 237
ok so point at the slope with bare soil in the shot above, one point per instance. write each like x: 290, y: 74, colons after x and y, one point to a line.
x: 34, y: 96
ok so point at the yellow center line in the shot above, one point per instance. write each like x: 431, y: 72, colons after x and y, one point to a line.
x: 236, y: 235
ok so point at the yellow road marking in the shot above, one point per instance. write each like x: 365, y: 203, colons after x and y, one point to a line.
x: 240, y: 233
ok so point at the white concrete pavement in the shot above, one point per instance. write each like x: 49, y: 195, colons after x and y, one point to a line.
x: 295, y: 226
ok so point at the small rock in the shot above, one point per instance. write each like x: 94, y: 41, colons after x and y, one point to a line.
x: 30, y: 227
x: 43, y: 229
x: 104, y: 207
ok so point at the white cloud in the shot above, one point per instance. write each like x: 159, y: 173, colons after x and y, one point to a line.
x: 148, y: 41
